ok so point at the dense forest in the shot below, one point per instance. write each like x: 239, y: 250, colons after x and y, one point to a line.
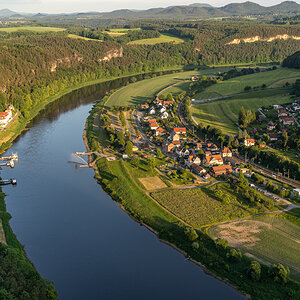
x: 36, y: 65
x: 292, y: 61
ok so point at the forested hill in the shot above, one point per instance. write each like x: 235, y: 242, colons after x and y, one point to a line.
x: 34, y: 66
x: 196, y: 10
x: 292, y: 61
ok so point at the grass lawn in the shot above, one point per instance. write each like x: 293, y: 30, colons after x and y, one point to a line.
x: 140, y: 92
x: 74, y: 36
x: 223, y: 114
x: 200, y: 207
x: 120, y: 177
x: 164, y: 38
x: 237, y: 85
x: 32, y: 28
x: 269, y: 239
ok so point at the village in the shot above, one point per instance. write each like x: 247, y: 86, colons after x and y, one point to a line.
x: 204, y: 159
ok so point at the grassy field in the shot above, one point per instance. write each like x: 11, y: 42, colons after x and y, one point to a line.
x: 199, y: 206
x: 237, y: 85
x: 141, y: 91
x: 32, y: 28
x: 223, y: 114
x: 123, y: 29
x: 268, y: 239
x: 164, y: 38
x: 74, y: 36
x: 114, y: 33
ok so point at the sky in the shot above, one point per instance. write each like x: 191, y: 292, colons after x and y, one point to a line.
x: 66, y: 6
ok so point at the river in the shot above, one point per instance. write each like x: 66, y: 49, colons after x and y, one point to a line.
x: 75, y: 234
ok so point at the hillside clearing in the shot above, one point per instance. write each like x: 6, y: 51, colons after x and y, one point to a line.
x: 74, y: 36
x: 164, y: 38
x: 32, y: 28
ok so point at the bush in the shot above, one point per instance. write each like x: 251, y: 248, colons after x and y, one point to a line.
x: 191, y: 233
x: 254, y: 271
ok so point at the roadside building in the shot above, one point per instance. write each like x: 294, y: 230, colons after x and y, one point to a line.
x: 197, y: 169
x: 273, y: 137
x: 270, y: 126
x: 145, y: 106
x: 221, y: 170
x: 249, y: 142
x: 164, y: 115
x: 154, y: 126
x: 179, y: 130
x: 212, y: 160
x: 287, y: 121
x: 282, y: 112
x: 160, y: 131
x: 193, y: 159
x: 226, y: 152
x: 168, y: 147
x: 6, y: 115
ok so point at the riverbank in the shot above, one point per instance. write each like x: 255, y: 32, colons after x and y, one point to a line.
x: 151, y: 229
x: 119, y: 181
x: 19, y: 125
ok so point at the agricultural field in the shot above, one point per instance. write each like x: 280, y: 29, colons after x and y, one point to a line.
x: 223, y: 114
x: 266, y: 239
x: 74, y: 36
x: 164, y: 38
x: 237, y: 84
x: 123, y: 29
x: 199, y: 206
x: 114, y: 33
x: 152, y: 183
x: 139, y: 92
x: 32, y: 28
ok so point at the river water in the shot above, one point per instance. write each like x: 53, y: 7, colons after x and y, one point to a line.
x: 75, y: 234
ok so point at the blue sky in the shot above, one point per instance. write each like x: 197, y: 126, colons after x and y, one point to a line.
x: 56, y: 6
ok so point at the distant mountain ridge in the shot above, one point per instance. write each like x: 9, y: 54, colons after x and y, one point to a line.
x: 195, y: 10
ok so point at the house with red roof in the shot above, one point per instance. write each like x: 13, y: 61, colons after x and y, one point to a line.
x: 287, y: 121
x: 154, y: 126
x: 249, y: 142
x: 180, y: 130
x: 212, y: 160
x: 221, y: 170
x: 226, y: 152
x: 160, y: 131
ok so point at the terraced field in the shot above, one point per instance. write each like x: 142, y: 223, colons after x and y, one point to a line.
x: 267, y: 239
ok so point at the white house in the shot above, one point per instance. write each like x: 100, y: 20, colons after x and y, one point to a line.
x: 5, y: 116
x: 164, y: 115
x: 162, y: 110
x: 152, y: 111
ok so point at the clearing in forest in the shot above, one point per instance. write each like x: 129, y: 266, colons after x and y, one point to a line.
x: 32, y: 28
x: 163, y: 38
